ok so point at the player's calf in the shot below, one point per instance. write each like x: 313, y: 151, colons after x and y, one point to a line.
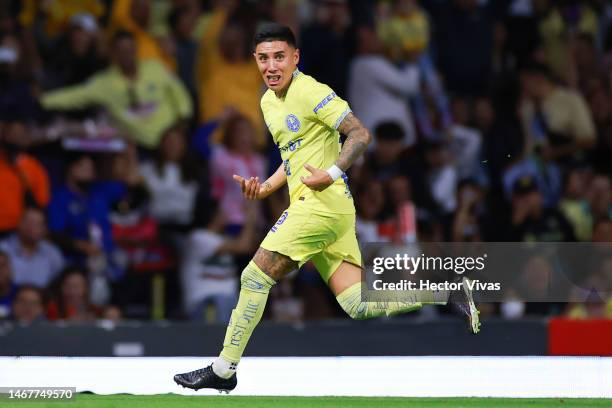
x: 351, y: 302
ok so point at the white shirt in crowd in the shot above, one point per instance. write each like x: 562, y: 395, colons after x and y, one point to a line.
x: 38, y: 268
x: 205, y: 273
x: 172, y: 200
x: 378, y: 92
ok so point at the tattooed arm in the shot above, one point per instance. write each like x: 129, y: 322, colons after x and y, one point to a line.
x: 254, y: 190
x: 357, y: 140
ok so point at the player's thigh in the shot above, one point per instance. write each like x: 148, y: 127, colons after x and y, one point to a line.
x: 296, y: 237
x: 339, y: 264
x: 274, y: 264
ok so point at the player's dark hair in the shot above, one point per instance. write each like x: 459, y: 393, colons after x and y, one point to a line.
x: 389, y: 131
x: 274, y: 32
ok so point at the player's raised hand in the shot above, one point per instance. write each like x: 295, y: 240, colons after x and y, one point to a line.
x: 250, y: 187
x: 318, y: 180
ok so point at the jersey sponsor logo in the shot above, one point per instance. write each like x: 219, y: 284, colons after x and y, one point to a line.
x: 292, y: 146
x: 293, y: 123
x: 324, y: 102
x: 347, y: 190
x: 280, y: 221
x: 287, y: 167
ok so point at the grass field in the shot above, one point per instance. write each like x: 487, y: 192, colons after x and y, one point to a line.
x: 177, y: 401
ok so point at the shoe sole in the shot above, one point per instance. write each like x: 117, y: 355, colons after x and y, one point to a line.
x: 221, y: 391
x: 473, y: 314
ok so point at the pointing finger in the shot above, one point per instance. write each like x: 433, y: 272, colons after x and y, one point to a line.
x: 309, y: 168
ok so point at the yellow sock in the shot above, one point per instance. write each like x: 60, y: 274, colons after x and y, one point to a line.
x: 254, y: 288
x: 350, y: 300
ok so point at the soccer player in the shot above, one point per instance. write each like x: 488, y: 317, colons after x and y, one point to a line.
x: 305, y: 118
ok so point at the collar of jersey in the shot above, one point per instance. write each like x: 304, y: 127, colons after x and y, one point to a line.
x: 294, y: 74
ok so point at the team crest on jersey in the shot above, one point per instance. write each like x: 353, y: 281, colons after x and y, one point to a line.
x: 293, y: 123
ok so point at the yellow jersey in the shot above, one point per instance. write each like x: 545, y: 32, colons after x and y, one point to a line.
x: 304, y: 124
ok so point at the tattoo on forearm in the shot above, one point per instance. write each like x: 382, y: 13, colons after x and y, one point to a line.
x: 357, y: 140
x: 267, y: 186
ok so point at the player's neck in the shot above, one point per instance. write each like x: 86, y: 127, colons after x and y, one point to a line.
x: 280, y: 94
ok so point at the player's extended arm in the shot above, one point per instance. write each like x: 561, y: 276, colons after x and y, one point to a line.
x: 254, y: 190
x: 357, y: 140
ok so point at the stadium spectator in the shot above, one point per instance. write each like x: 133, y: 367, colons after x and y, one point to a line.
x: 558, y: 26
x: 370, y: 200
x: 385, y: 160
x: 467, y: 223
x: 600, y: 105
x: 531, y: 221
x: 556, y: 120
x: 79, y: 216
x: 441, y: 176
x: 7, y: 285
x: 23, y: 179
x: 463, y: 39
x: 464, y: 142
x: 236, y: 155
x: 141, y: 96
x: 574, y: 206
x: 599, y: 197
x: 209, y: 271
x: 17, y: 101
x: 72, y: 299
x: 378, y: 90
x: 585, y: 61
x: 406, y: 34
x: 225, y: 72
x: 28, y: 305
x: 330, y: 27
x: 182, y: 21
x: 602, y: 231
x: 172, y: 180
x: 44, y: 22
x: 134, y: 16
x: 112, y: 313
x: 501, y: 142
x: 34, y: 260
x: 77, y: 56
x: 535, y: 280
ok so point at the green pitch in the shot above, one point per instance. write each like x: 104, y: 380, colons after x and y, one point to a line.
x: 178, y: 401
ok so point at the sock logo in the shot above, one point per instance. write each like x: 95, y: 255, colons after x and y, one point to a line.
x: 252, y: 284
x: 243, y: 322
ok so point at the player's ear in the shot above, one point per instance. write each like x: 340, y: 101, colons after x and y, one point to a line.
x: 296, y: 56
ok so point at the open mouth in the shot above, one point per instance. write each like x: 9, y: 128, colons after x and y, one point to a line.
x: 274, y: 80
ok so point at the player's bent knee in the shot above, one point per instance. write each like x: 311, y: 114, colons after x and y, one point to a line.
x: 253, y: 278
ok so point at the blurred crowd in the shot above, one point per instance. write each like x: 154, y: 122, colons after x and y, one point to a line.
x: 122, y: 123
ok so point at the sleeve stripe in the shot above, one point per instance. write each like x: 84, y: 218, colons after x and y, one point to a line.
x: 341, y: 118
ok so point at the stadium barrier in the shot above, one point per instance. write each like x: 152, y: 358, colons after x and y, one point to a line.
x: 395, y: 337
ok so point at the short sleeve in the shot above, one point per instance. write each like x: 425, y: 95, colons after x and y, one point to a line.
x: 326, y: 106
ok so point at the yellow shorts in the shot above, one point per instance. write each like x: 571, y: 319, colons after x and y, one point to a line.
x: 327, y: 239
